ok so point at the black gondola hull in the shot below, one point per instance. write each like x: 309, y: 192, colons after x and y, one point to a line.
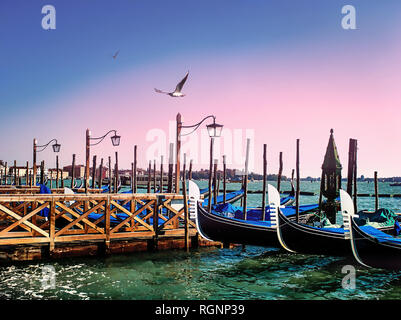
x: 226, y: 230
x: 374, y: 253
x: 303, y: 239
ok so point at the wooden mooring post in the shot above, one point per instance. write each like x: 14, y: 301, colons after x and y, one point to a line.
x: 178, y: 152
x: 26, y: 174
x: 100, y: 176
x: 42, y: 172
x: 5, y: 173
x: 190, y: 170
x: 210, y: 174
x: 161, y: 174
x: 215, y: 192
x: 149, y: 175
x: 110, y: 176
x: 186, y: 213
x: 15, y: 173
x: 351, y: 160
x: 355, y: 177
x: 224, y: 179
x: 280, y: 172
x: 264, y: 181
x: 135, y: 184
x: 248, y: 142
x: 94, y: 172
x: 376, y: 192
x: 57, y: 173
x: 322, y: 182
x: 154, y: 176
x: 298, y: 184
x: 170, y: 169
x: 34, y: 163
x: 73, y: 172
x: 116, y: 173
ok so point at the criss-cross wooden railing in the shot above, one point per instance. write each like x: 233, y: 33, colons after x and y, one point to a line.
x: 56, y: 218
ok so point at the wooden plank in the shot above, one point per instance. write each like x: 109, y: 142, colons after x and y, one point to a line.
x: 16, y: 241
x: 81, y: 237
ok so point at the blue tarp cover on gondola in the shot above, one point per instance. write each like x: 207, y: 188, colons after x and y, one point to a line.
x: 220, y: 198
x: 44, y: 190
x: 380, y: 236
x: 255, y: 214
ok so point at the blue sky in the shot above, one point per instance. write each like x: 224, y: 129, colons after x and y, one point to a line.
x: 40, y: 69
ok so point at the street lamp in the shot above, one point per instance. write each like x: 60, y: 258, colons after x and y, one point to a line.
x: 214, y: 130
x: 115, y: 140
x: 56, y: 148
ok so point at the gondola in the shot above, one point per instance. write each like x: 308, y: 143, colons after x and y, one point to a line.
x: 397, y: 184
x: 215, y: 226
x: 370, y: 247
x: 76, y: 186
x: 303, y: 238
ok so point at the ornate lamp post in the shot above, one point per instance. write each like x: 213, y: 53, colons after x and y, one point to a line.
x: 56, y: 148
x: 214, y: 130
x: 115, y: 140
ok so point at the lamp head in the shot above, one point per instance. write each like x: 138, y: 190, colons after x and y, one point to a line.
x: 214, y: 130
x: 115, y: 140
x: 56, y: 147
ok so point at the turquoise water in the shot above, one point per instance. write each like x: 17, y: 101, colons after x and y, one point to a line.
x: 208, y: 273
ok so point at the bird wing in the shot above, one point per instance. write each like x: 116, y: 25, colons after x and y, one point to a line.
x: 159, y: 91
x: 179, y: 86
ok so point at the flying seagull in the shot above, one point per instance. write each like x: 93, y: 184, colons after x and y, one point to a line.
x: 178, y: 88
x: 116, y: 54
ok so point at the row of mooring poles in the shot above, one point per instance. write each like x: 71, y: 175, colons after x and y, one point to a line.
x: 214, y: 186
x: 6, y: 178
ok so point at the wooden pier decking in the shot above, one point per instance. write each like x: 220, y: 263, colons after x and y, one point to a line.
x: 149, y: 222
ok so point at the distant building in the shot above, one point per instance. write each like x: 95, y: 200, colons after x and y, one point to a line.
x: 79, y: 170
x: 105, y: 172
x: 52, y: 174
x: 21, y: 171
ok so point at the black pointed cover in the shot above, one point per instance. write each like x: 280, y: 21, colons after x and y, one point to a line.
x: 331, y: 159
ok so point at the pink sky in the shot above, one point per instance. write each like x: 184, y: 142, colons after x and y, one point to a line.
x: 280, y: 95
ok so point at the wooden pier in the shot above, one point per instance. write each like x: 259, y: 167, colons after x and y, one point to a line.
x: 123, y: 223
